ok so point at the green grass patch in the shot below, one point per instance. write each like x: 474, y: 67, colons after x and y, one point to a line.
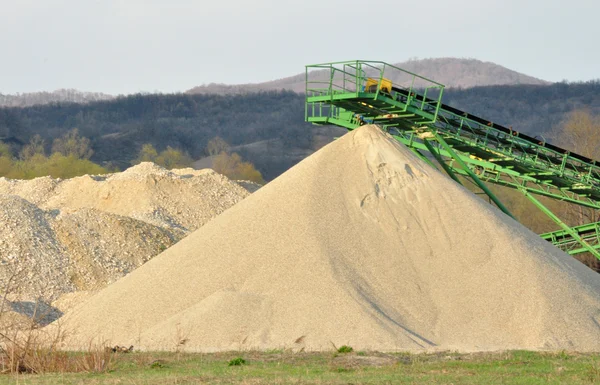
x: 279, y: 367
x: 345, y: 349
x: 238, y: 361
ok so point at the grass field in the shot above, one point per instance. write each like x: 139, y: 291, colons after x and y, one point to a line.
x: 277, y: 367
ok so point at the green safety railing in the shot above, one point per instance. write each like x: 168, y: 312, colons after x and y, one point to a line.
x: 329, y: 83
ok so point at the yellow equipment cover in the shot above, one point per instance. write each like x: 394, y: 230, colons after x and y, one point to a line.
x: 386, y: 85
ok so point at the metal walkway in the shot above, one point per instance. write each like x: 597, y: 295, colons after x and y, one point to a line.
x: 408, y: 106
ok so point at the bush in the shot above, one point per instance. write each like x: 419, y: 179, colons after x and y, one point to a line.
x: 34, y: 163
x: 233, y: 167
x: 170, y: 158
x: 345, y: 349
x: 239, y: 361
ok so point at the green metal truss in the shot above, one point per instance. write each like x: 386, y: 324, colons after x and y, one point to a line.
x: 408, y: 106
x: 563, y: 239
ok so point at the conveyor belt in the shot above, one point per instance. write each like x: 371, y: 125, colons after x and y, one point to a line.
x: 533, y: 141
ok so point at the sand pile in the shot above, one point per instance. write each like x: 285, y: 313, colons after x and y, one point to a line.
x: 86, y: 232
x: 360, y: 244
x: 32, y: 261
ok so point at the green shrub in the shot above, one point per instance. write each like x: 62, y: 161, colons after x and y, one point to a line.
x: 170, y: 158
x: 345, y: 349
x: 239, y: 361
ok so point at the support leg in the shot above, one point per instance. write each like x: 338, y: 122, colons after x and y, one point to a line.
x: 466, y: 168
x: 437, y: 157
x: 564, y: 226
x: 423, y: 157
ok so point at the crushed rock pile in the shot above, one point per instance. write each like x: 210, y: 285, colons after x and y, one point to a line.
x: 102, y: 247
x: 361, y: 244
x: 86, y: 232
x: 182, y: 199
x: 32, y: 260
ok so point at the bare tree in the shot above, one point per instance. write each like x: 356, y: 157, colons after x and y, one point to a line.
x: 216, y: 146
x: 36, y: 146
x: 579, y: 133
x: 71, y: 144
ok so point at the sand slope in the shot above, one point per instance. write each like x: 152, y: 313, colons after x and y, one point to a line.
x: 360, y: 244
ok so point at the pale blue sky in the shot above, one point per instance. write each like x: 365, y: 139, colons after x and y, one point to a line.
x: 130, y: 46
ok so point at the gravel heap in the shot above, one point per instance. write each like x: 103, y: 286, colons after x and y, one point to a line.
x: 177, y: 199
x: 361, y: 244
x: 32, y: 261
x: 86, y: 232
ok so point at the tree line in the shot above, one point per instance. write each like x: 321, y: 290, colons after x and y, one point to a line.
x: 70, y: 156
x: 117, y: 129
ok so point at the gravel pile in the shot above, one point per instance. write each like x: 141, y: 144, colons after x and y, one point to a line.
x: 84, y: 233
x: 183, y: 199
x: 103, y: 247
x: 361, y: 244
x: 33, y: 263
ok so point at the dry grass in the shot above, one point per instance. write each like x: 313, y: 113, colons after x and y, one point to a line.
x: 25, y: 347
x: 34, y: 351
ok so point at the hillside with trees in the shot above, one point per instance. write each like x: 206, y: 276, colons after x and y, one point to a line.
x: 69, y: 157
x: 536, y: 110
x: 118, y: 129
x: 266, y: 129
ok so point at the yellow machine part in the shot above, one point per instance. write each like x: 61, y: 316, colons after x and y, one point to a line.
x: 386, y: 85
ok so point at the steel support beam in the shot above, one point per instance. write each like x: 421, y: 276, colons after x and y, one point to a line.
x: 423, y: 157
x: 439, y: 159
x: 563, y: 225
x: 471, y: 174
x: 503, y: 176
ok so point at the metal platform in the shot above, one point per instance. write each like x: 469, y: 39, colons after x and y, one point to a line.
x: 409, y: 106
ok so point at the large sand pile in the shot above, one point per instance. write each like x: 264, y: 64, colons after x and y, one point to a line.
x: 86, y: 232
x: 360, y: 244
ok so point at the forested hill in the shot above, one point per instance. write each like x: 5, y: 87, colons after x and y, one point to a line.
x: 266, y: 128
x: 532, y: 109
x: 118, y: 128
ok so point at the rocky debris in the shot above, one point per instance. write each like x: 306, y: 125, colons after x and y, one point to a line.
x: 119, y: 349
x: 32, y: 260
x: 35, y: 190
x: 102, y: 247
x: 249, y: 185
x: 59, y: 236
x: 178, y: 199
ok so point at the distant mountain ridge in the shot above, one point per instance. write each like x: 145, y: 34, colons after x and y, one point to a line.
x: 452, y: 72
x: 59, y: 96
